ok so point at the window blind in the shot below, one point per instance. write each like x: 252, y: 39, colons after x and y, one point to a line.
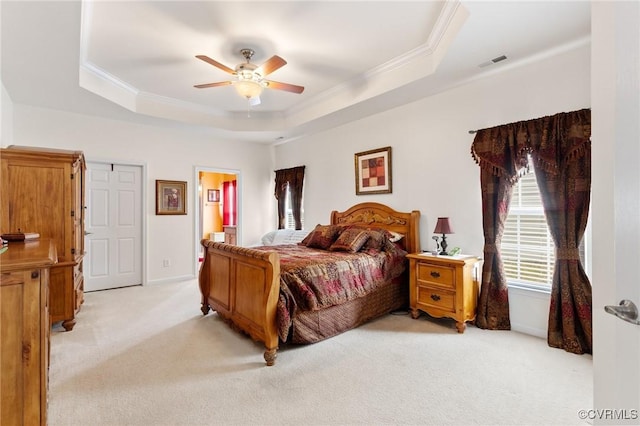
x: 528, y: 250
x: 290, y: 222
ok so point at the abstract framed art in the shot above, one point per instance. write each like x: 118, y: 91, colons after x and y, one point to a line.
x: 373, y: 171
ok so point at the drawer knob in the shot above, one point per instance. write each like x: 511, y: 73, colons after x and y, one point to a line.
x: 435, y: 274
x: 435, y: 297
x: 35, y: 274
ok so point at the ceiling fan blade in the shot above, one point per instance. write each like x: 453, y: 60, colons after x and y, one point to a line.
x: 271, y: 65
x: 220, y: 83
x: 284, y: 86
x: 216, y: 64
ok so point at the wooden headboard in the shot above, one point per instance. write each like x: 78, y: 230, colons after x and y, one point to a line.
x: 381, y: 216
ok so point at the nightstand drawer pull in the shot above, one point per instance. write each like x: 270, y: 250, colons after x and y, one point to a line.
x: 435, y: 274
x: 435, y: 297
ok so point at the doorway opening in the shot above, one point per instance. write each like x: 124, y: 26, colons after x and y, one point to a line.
x: 217, y: 207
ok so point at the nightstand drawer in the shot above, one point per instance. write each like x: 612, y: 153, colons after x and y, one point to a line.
x: 440, y: 275
x: 436, y: 298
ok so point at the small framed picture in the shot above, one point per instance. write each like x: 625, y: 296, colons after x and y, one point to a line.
x: 171, y: 197
x: 213, y: 195
x: 373, y: 171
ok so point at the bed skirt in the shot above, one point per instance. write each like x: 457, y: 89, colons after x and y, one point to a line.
x: 314, y: 326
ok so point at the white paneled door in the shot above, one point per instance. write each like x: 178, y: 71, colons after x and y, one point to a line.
x: 615, y: 95
x: 113, y: 225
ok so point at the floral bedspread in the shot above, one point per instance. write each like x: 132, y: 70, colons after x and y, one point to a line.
x: 312, y: 279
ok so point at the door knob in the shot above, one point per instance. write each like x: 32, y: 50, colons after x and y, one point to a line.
x: 626, y: 310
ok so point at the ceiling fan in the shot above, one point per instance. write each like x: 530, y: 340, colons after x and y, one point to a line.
x: 250, y: 78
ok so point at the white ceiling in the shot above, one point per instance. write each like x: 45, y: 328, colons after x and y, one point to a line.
x: 135, y: 60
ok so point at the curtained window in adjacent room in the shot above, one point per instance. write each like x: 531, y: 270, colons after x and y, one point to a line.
x: 288, y: 185
x: 560, y: 150
x: 229, y: 211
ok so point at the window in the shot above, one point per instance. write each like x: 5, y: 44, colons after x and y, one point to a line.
x: 528, y: 251
x: 229, y: 212
x: 289, y: 222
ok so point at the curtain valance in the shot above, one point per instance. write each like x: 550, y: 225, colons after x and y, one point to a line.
x: 555, y: 140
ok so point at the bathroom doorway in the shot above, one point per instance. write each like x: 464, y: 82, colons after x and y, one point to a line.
x: 217, y: 209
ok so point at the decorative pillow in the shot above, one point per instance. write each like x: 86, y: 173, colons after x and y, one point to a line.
x: 323, y: 236
x: 267, y: 239
x: 299, y: 236
x: 394, y: 248
x: 376, y: 239
x: 306, y: 239
x: 351, y: 240
x: 283, y: 236
x: 394, y: 237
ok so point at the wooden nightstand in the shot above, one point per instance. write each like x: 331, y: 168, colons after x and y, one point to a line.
x: 443, y: 286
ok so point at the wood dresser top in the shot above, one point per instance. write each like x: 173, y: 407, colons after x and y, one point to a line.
x: 31, y: 254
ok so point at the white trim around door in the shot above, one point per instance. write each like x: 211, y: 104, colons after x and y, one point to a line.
x: 197, y: 197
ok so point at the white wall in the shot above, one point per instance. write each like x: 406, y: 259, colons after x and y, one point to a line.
x: 170, y: 153
x: 433, y: 170
x: 6, y: 118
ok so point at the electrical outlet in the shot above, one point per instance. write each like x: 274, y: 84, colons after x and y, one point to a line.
x: 166, y: 263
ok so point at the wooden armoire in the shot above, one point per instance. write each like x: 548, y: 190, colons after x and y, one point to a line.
x: 43, y: 192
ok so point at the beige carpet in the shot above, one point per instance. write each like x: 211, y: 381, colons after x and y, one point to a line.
x: 147, y: 356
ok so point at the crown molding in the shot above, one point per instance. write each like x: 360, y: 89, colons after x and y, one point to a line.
x: 397, y: 72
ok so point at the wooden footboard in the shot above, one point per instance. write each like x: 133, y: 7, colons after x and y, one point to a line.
x: 242, y: 285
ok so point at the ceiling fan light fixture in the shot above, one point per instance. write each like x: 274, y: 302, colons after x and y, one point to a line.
x: 250, y: 78
x: 248, y: 88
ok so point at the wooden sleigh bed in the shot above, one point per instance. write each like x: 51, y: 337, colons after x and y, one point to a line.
x: 243, y: 285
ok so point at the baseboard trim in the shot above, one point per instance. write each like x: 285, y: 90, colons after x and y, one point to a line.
x: 171, y: 279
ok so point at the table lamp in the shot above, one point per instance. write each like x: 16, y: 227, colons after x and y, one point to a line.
x: 443, y: 227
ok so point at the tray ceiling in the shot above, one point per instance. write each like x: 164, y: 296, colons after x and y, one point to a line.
x: 353, y: 58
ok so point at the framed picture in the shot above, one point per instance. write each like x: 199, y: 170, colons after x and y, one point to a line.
x: 373, y: 171
x: 171, y: 197
x: 213, y: 195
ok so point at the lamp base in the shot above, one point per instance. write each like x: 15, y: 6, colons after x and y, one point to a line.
x: 443, y: 245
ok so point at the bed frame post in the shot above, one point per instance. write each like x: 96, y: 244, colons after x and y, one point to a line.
x: 243, y: 286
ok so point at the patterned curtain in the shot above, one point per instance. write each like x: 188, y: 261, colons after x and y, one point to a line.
x: 500, y: 154
x: 493, y: 303
x: 291, y: 179
x: 561, y: 150
x: 280, y: 193
x: 565, y: 188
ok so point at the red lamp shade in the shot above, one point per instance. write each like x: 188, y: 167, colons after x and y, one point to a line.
x: 443, y: 226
